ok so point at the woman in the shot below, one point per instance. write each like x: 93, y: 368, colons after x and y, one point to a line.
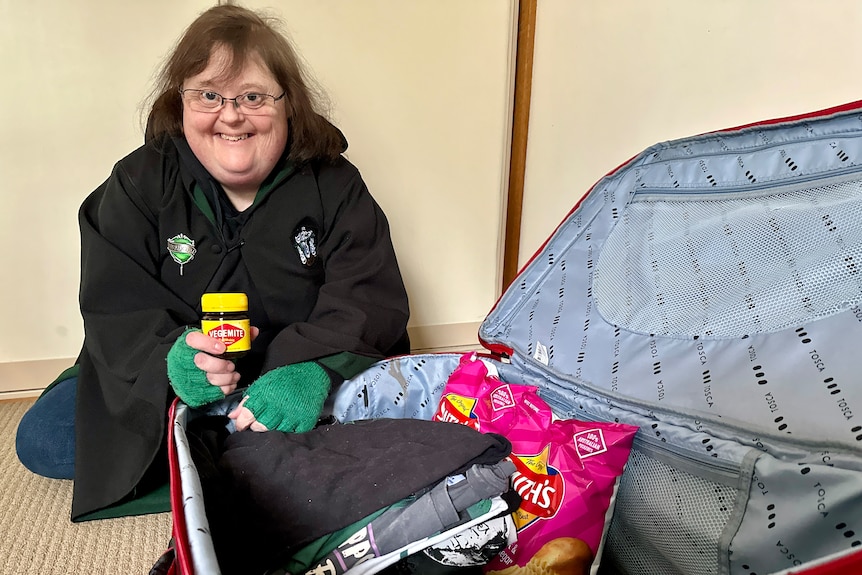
x: 240, y: 187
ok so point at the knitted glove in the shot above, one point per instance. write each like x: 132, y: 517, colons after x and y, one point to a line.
x: 289, y: 398
x: 190, y: 382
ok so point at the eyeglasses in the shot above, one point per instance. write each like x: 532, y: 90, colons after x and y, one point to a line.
x: 209, y: 101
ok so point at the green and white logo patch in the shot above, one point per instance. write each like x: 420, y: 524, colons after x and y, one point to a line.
x: 182, y: 249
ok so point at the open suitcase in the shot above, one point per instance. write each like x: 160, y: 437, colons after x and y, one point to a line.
x: 708, y: 291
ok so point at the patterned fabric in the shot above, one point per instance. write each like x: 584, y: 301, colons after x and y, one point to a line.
x: 709, y: 292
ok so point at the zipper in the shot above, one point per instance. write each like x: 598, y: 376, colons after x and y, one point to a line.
x: 692, y: 462
x: 797, y: 182
x: 709, y: 468
x: 721, y: 135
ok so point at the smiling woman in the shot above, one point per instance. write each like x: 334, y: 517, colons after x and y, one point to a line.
x: 238, y: 144
x: 243, y: 178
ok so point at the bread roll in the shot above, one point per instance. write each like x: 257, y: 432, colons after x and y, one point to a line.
x: 562, y: 556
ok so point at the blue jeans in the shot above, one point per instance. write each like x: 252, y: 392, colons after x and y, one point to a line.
x: 45, y: 441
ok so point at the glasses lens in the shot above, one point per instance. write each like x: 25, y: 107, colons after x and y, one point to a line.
x: 202, y: 100
x: 208, y: 100
x: 252, y: 101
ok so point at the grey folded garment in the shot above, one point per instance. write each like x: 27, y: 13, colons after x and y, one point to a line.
x: 439, y: 509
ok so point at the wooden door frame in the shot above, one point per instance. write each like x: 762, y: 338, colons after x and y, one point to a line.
x: 520, y: 130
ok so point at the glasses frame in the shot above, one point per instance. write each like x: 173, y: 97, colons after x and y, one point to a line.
x: 235, y: 100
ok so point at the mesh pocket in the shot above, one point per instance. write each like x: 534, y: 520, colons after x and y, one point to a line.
x: 727, y: 265
x: 666, y: 521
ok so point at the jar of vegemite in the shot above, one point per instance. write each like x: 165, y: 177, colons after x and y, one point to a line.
x: 225, y: 317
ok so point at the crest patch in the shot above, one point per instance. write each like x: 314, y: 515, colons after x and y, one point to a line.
x: 305, y: 242
x: 182, y: 249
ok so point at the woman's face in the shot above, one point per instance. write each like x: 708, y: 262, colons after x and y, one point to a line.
x: 238, y: 149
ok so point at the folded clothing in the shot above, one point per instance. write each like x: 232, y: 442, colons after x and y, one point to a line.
x: 275, y: 492
x: 442, y: 508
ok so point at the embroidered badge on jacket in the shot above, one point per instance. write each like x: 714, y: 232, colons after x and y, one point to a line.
x: 305, y: 241
x: 182, y: 249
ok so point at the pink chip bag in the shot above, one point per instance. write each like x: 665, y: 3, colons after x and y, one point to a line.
x: 567, y: 470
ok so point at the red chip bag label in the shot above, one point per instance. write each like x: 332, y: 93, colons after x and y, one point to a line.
x: 540, y: 486
x: 590, y: 442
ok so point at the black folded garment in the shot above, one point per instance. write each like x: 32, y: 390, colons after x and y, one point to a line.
x: 275, y: 492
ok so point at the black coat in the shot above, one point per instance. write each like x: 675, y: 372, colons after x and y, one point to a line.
x: 348, y: 300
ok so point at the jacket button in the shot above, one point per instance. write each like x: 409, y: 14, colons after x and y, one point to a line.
x: 216, y: 249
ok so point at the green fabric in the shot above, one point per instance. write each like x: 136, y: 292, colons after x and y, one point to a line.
x: 347, y: 364
x: 320, y: 548
x: 479, y: 508
x: 189, y: 382
x: 289, y: 398
x: 155, y: 501
x: 67, y: 373
x: 203, y: 204
x: 272, y: 181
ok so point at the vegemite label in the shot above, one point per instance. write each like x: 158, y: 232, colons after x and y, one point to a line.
x: 236, y: 334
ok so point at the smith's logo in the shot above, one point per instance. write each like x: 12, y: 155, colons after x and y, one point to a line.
x: 455, y: 408
x: 540, y: 485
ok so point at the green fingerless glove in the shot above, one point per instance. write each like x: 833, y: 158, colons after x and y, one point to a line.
x: 189, y: 382
x: 289, y: 398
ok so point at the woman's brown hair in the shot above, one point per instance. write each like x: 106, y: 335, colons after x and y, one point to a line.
x: 246, y: 34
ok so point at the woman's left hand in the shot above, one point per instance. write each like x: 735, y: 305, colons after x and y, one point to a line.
x: 245, y: 419
x: 288, y: 398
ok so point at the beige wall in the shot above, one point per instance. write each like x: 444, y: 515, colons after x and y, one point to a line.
x: 421, y: 89
x: 73, y: 75
x: 613, y: 77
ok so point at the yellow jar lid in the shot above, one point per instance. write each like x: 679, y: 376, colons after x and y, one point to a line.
x: 224, y: 302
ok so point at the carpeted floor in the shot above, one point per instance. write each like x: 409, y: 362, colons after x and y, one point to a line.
x: 37, y: 537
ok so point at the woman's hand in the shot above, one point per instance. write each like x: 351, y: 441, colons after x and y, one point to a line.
x: 196, y: 376
x: 245, y: 419
x: 220, y: 372
x: 288, y: 398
